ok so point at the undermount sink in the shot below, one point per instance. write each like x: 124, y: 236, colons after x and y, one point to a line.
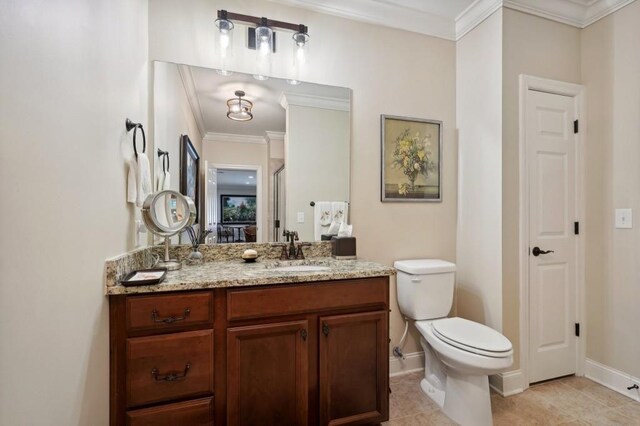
x: 301, y: 268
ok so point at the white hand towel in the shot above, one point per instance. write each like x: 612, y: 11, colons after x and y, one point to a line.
x: 143, y: 179
x: 166, y: 182
x: 132, y: 182
x: 321, y: 218
x: 339, y: 211
x: 159, y: 180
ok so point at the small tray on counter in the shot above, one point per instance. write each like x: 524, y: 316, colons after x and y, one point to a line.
x: 144, y: 277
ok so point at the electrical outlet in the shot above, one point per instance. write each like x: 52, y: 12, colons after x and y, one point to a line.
x: 300, y: 217
x: 624, y: 218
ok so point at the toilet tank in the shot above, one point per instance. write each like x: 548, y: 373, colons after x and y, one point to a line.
x: 425, y: 287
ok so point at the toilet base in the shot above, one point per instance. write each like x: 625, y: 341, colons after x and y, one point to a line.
x: 437, y: 395
x: 467, y: 400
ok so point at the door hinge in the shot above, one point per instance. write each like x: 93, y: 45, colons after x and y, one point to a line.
x: 575, y: 126
x: 577, y: 329
x: 576, y: 228
x: 276, y: 223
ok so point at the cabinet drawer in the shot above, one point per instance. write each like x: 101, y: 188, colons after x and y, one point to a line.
x: 170, y: 366
x: 192, y: 413
x: 169, y: 311
x: 294, y: 299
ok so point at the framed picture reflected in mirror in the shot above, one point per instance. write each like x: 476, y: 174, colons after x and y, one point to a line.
x: 189, y: 171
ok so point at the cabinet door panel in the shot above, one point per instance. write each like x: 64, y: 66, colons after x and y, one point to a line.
x: 267, y: 374
x: 354, y: 362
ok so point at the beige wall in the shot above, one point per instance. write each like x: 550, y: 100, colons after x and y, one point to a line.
x: 317, y: 159
x: 70, y: 76
x: 479, y: 108
x: 172, y: 118
x: 611, y: 73
x: 244, y: 154
x: 390, y: 72
x: 542, y: 48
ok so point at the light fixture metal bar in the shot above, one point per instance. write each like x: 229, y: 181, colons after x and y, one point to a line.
x: 258, y: 21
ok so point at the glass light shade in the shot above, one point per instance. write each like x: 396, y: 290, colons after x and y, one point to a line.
x: 300, y: 53
x: 224, y: 45
x: 264, y: 49
x: 239, y: 109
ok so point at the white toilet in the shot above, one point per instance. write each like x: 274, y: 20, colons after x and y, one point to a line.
x: 459, y: 354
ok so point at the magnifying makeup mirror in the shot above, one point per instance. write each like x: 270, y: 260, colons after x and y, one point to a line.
x: 168, y: 213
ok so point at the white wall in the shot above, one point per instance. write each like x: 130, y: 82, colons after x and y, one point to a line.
x: 381, y: 65
x: 71, y: 74
x: 479, y: 118
x: 610, y: 71
x: 317, y: 158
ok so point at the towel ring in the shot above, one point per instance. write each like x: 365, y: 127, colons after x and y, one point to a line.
x: 165, y: 156
x: 135, y: 126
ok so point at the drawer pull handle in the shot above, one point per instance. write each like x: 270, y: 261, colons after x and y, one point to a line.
x: 171, y: 377
x: 170, y: 320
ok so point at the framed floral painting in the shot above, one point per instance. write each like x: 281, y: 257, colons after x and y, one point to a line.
x: 411, y: 159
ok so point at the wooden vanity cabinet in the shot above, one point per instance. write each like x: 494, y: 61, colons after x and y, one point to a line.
x: 292, y: 354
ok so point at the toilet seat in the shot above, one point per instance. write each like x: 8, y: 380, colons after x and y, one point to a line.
x: 472, y: 337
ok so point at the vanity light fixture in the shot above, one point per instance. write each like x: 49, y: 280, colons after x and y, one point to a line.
x: 239, y: 109
x: 262, y: 39
x: 224, y: 42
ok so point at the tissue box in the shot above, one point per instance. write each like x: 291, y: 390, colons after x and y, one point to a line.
x: 343, y: 247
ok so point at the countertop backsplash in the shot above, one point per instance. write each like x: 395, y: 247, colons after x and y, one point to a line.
x: 117, y: 267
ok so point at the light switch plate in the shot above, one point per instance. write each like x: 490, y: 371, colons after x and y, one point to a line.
x: 624, y: 218
x: 300, y: 217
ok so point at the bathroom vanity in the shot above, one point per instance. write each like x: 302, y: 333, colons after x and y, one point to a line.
x: 237, y: 344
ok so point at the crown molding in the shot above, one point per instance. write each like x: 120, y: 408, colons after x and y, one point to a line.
x: 576, y: 13
x: 192, y: 96
x: 381, y: 12
x: 229, y: 137
x: 298, y: 99
x: 387, y: 13
x: 474, y: 15
x: 600, y: 9
x: 270, y: 136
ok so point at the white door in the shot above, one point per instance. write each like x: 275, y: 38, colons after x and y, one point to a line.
x: 551, y: 159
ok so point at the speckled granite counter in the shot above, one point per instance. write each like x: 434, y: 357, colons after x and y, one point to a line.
x: 237, y: 274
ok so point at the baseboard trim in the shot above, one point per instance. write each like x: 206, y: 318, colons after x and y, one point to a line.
x: 613, y: 379
x: 412, y: 362
x: 507, y: 383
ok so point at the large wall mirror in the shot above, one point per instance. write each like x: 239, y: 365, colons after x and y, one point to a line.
x: 267, y: 150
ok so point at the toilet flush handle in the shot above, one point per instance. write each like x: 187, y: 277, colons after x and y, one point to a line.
x: 416, y: 280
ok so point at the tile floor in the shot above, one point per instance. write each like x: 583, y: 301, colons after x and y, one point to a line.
x: 570, y: 401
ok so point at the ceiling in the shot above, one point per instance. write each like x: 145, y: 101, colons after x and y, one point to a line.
x: 211, y: 91
x: 236, y: 178
x: 452, y: 19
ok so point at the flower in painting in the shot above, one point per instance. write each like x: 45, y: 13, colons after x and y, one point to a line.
x: 412, y: 156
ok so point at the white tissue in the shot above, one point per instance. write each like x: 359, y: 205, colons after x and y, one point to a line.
x: 345, y: 230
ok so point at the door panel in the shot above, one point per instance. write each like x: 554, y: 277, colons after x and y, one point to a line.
x: 551, y: 151
x: 354, y: 368
x: 267, y: 374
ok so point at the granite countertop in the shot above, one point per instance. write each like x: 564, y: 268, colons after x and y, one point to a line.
x: 236, y: 273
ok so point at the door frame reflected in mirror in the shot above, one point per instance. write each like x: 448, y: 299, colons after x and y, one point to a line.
x: 259, y: 195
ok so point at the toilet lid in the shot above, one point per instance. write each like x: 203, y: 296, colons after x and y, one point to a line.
x: 472, y: 336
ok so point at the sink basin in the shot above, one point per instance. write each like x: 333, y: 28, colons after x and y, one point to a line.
x: 301, y: 268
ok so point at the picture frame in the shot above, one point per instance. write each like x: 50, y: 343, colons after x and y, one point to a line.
x: 232, y: 214
x: 189, y: 172
x: 411, y: 159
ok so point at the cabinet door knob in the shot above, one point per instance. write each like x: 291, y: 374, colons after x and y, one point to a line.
x: 325, y: 329
x: 303, y: 333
